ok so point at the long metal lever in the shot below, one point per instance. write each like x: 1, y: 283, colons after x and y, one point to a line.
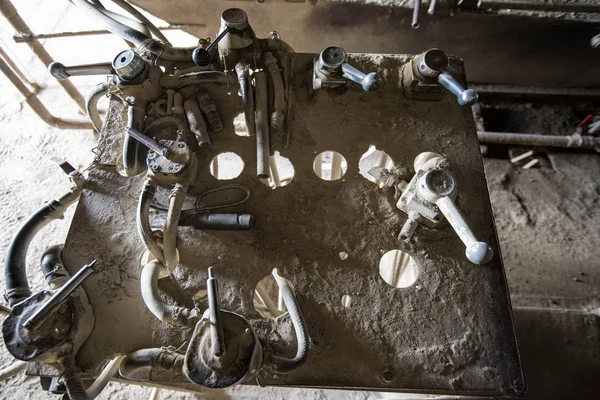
x: 149, y: 143
x: 59, y: 297
x: 332, y: 62
x: 61, y: 72
x: 437, y: 186
x: 432, y: 64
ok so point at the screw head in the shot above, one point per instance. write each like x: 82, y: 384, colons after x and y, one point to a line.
x: 156, y: 168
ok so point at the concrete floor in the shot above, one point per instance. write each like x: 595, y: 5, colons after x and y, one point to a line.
x: 547, y: 221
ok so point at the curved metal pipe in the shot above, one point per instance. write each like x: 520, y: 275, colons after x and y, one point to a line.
x: 287, y: 365
x: 177, y: 197
x: 74, y: 385
x: 91, y: 104
x: 143, y: 221
x: 133, y: 155
x: 166, y: 312
x: 139, y: 364
x: 277, y: 117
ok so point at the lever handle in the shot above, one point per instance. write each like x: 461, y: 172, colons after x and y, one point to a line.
x: 437, y: 186
x: 127, y: 65
x: 432, y: 64
x: 62, y: 72
x: 201, y: 55
x: 466, y: 97
x: 332, y: 62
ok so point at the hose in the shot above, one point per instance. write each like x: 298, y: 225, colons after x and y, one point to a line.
x: 287, y: 365
x: 52, y: 266
x: 17, y: 286
x: 74, y: 385
x: 91, y: 105
x: 169, y: 313
x: 529, y: 139
x: 247, y: 96
x: 143, y: 221
x: 277, y: 117
x: 132, y: 154
x: 134, y: 12
x: 139, y: 364
x: 176, y: 199
x: 139, y: 39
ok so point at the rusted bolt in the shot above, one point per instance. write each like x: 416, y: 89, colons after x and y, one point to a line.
x: 62, y: 310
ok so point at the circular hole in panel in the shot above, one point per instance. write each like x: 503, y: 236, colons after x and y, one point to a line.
x: 374, y: 164
x: 267, y: 301
x: 225, y: 166
x: 330, y: 165
x: 239, y: 125
x: 398, y: 269
x: 346, y: 301
x: 282, y: 171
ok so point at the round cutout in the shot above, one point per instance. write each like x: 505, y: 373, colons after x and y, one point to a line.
x: 226, y: 166
x: 376, y: 166
x: 282, y: 171
x: 330, y: 165
x: 267, y: 301
x: 398, y: 269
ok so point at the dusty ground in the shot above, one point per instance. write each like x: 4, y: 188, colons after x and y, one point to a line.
x: 547, y: 221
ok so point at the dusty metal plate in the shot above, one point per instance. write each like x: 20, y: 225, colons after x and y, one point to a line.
x: 450, y: 332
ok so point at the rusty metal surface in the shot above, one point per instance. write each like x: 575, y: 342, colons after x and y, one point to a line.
x: 451, y: 332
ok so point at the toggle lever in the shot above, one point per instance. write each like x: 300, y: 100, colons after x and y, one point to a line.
x: 429, y: 195
x: 432, y: 65
x: 127, y: 65
x: 201, y: 55
x: 438, y: 186
x: 332, y: 64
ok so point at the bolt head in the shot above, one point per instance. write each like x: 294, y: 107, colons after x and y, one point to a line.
x: 156, y: 168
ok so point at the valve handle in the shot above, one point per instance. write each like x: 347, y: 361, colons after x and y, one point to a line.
x: 437, y: 186
x: 201, y: 55
x: 432, y: 64
x: 332, y: 62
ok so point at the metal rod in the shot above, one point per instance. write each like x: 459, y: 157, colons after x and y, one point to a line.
x: 12, y: 16
x: 28, y: 37
x: 528, y: 139
x: 555, y: 5
x: 216, y: 324
x: 432, y: 5
x: 416, y: 11
x: 59, y: 297
x: 262, y: 125
x: 149, y: 143
x: 12, y: 370
x: 217, y: 39
x: 534, y: 90
x: 37, y: 106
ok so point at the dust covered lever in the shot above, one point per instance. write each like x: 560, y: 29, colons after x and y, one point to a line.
x: 432, y: 64
x: 332, y: 63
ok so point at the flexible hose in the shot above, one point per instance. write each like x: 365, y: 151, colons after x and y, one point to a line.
x: 91, y: 105
x: 134, y: 12
x: 139, y: 364
x: 139, y: 39
x: 169, y: 313
x: 277, y: 117
x: 52, y: 266
x: 143, y: 221
x: 15, y: 276
x: 176, y: 199
x: 287, y: 365
x: 247, y: 96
